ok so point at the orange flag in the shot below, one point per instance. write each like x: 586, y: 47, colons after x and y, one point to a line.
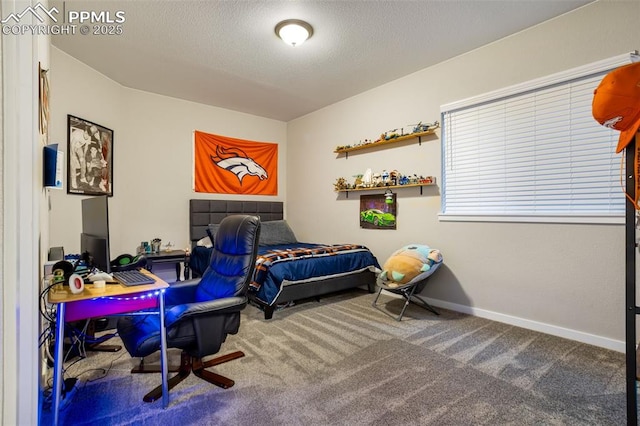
x: 226, y: 165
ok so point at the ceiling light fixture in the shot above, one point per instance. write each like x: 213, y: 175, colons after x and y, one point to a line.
x: 294, y: 31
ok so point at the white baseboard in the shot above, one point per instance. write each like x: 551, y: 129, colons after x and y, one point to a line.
x: 591, y: 339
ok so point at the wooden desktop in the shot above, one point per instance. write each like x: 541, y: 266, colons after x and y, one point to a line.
x: 95, y: 302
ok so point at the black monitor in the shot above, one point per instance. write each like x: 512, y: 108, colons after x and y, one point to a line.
x: 94, y: 241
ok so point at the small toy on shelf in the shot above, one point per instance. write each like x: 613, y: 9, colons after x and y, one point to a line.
x: 341, y: 184
x: 420, y: 127
x: 367, y: 179
x: 385, y: 177
x: 390, y: 134
x: 394, y: 176
x: 377, y: 179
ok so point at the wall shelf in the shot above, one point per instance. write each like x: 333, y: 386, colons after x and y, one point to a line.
x: 384, y: 188
x: 402, y: 138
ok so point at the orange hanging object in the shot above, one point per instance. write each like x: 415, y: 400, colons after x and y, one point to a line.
x: 616, y: 105
x: 225, y: 165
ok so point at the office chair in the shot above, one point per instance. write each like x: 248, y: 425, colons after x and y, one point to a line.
x: 200, y: 313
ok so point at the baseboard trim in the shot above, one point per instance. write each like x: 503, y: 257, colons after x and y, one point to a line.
x: 591, y: 339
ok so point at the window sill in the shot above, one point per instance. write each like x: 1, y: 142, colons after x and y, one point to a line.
x: 588, y: 219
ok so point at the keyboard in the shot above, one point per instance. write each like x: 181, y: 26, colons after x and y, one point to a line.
x: 131, y: 278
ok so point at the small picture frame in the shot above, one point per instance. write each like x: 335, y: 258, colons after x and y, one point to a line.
x: 43, y: 102
x: 378, y: 211
x: 89, y: 158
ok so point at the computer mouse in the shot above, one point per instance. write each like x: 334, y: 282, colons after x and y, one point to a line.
x: 100, y: 276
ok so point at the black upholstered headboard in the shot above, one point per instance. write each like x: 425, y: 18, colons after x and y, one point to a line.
x: 204, y: 212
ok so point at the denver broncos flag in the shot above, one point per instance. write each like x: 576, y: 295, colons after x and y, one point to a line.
x: 226, y: 165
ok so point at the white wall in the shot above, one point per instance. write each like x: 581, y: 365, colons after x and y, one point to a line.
x: 152, y: 155
x: 564, y: 279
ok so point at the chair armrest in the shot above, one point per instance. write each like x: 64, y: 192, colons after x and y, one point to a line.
x: 210, y: 307
x: 181, y: 292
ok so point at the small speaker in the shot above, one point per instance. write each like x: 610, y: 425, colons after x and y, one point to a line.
x: 56, y: 253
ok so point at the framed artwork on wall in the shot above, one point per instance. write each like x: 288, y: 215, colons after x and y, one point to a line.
x: 89, y: 158
x: 378, y: 211
x: 43, y: 102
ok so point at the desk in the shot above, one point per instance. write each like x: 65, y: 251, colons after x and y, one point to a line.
x: 173, y: 256
x: 114, y: 299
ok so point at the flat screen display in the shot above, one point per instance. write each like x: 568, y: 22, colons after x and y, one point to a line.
x: 95, y: 231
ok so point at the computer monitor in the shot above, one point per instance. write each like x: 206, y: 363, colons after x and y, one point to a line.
x: 94, y: 240
x: 95, y: 250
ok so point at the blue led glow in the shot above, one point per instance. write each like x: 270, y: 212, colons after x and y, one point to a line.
x: 137, y: 296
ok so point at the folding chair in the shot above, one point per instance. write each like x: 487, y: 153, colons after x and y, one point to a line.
x: 408, y: 292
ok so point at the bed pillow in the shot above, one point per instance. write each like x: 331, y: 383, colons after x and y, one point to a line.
x: 276, y: 232
x: 212, y: 229
x: 204, y: 242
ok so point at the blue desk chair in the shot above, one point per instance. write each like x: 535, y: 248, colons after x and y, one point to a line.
x: 200, y: 313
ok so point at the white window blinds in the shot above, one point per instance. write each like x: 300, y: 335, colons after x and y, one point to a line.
x: 532, y: 152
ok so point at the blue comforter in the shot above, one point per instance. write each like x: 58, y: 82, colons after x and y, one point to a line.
x: 294, y: 263
x: 280, y: 265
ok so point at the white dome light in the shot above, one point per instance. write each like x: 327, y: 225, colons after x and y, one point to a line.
x: 294, y: 32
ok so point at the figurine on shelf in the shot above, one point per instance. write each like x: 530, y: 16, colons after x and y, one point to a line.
x: 357, y: 183
x: 420, y: 127
x: 391, y: 134
x: 394, y: 177
x: 377, y: 179
x: 341, y: 184
x: 385, y: 178
x: 367, y: 179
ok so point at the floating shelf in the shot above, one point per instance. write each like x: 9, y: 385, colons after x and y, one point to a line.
x: 384, y: 188
x: 418, y: 135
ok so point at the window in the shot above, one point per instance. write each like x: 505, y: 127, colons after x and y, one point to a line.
x: 533, y: 152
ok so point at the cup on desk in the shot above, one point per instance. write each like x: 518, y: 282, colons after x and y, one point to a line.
x: 97, y: 287
x: 155, y: 247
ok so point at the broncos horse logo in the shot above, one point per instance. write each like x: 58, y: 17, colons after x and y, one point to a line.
x: 238, y: 163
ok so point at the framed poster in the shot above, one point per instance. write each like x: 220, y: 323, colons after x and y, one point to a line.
x: 43, y: 102
x: 89, y: 158
x: 378, y: 211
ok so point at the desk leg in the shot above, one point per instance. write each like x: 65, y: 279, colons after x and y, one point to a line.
x: 163, y: 353
x: 58, y: 360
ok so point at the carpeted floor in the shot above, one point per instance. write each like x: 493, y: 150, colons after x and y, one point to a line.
x: 342, y: 362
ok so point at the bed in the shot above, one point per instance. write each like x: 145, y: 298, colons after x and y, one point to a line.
x: 287, y: 270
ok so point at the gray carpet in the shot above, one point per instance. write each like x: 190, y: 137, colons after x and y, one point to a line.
x: 341, y: 362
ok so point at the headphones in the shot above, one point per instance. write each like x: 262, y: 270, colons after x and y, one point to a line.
x: 123, y: 260
x: 126, y: 262
x: 62, y: 271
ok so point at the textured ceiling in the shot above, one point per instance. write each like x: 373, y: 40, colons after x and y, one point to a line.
x: 226, y: 54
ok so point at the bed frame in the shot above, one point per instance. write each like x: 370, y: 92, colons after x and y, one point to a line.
x: 204, y: 212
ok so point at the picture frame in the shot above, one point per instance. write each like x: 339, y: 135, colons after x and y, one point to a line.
x: 89, y: 158
x: 43, y: 102
x: 378, y: 211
